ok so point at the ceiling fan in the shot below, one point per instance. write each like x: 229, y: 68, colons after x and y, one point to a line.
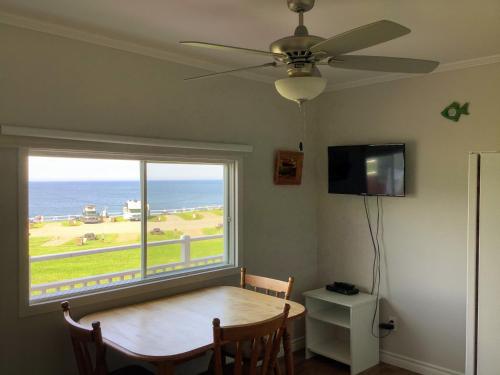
x: 301, y: 53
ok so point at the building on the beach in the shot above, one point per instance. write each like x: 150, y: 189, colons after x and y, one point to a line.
x: 90, y: 214
x: 132, y: 210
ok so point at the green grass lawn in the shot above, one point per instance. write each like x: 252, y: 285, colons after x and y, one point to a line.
x: 218, y: 212
x: 97, y: 264
x: 157, y: 218
x: 192, y: 215
x: 168, y: 235
x: 71, y: 223
x: 212, y: 231
x: 38, y: 247
x: 103, y: 240
x: 198, y: 215
x: 36, y: 225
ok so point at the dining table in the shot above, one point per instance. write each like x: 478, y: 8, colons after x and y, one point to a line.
x: 173, y: 329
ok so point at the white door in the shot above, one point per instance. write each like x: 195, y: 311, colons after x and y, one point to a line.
x: 488, y: 308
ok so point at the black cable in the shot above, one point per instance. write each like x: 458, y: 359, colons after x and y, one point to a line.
x: 379, y: 273
x: 376, y: 269
x: 377, y: 247
x: 373, y: 243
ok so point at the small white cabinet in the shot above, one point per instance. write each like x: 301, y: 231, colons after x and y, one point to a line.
x: 340, y: 327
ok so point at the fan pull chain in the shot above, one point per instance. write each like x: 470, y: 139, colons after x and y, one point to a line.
x: 302, y: 110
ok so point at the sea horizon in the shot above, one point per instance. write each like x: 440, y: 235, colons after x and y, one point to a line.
x: 149, y: 180
x: 61, y: 198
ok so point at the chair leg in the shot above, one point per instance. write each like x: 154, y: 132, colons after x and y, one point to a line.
x: 245, y: 367
x: 287, y: 348
x: 276, y: 368
x: 211, y: 364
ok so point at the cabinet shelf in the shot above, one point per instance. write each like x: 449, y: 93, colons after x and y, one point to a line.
x: 331, y: 317
x: 339, y: 327
x: 335, y: 349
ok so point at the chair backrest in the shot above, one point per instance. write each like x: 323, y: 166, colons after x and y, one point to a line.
x: 264, y: 340
x: 82, y: 338
x: 269, y: 286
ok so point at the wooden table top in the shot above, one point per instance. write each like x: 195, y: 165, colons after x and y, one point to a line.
x: 180, y: 326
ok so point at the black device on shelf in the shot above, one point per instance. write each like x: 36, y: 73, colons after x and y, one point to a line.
x: 342, y: 288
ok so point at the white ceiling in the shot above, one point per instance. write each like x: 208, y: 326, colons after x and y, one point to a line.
x: 445, y: 30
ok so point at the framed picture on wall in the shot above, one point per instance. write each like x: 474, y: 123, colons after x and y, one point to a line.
x: 288, y: 168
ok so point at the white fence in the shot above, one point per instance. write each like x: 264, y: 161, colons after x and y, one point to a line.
x: 38, y: 291
x: 42, y: 218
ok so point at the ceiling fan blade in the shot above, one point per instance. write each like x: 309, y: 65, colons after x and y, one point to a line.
x: 222, y: 47
x: 273, y: 64
x: 383, y: 64
x: 360, y: 38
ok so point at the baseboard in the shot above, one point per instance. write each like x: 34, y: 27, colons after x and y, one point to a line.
x: 298, y: 343
x: 414, y: 365
x: 397, y: 360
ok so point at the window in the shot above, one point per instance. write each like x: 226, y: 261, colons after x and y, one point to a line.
x: 105, y: 223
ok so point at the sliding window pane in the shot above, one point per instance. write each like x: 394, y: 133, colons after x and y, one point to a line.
x: 82, y: 230
x: 185, y: 227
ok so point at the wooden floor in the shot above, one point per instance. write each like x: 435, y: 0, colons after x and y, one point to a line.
x: 324, y: 366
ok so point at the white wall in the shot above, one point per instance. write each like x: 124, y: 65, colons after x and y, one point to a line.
x: 424, y: 281
x: 52, y: 82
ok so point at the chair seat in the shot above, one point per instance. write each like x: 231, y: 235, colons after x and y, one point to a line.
x: 131, y: 370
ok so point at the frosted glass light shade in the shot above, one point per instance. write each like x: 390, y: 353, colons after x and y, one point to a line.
x: 300, y: 89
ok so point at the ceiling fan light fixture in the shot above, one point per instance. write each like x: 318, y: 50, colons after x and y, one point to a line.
x: 300, y: 89
x: 300, y: 54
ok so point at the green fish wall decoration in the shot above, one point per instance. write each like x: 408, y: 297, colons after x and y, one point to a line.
x: 454, y: 111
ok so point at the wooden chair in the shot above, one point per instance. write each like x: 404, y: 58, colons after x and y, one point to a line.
x: 269, y: 286
x: 263, y: 340
x: 82, y: 338
x: 278, y: 288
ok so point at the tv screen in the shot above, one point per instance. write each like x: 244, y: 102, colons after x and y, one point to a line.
x: 367, y: 170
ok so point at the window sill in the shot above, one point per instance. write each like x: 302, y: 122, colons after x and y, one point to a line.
x: 126, y: 291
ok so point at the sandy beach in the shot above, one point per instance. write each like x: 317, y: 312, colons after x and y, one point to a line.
x: 62, y: 234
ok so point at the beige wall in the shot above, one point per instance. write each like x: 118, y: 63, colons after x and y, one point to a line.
x: 424, y: 280
x: 52, y: 82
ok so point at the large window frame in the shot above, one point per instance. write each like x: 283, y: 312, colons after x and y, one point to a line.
x: 232, y: 230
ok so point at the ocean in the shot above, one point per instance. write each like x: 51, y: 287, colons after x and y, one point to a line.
x: 69, y: 197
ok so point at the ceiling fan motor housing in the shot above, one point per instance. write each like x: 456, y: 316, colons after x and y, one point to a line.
x: 300, y: 6
x: 294, y: 51
x: 294, y: 47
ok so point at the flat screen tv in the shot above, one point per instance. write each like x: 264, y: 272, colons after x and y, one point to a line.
x: 367, y: 170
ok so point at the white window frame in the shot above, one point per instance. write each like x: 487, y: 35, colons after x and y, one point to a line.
x: 232, y: 232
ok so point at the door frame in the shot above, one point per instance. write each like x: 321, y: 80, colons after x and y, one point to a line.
x: 472, y: 262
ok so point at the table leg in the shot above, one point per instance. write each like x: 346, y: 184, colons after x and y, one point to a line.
x: 287, y: 348
x: 165, y: 368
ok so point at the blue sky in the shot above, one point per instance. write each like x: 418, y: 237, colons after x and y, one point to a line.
x: 79, y: 169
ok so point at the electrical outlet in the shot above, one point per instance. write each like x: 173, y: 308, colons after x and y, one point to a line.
x: 393, y: 320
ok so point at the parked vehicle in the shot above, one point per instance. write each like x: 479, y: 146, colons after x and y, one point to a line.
x: 90, y: 215
x: 132, y: 210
